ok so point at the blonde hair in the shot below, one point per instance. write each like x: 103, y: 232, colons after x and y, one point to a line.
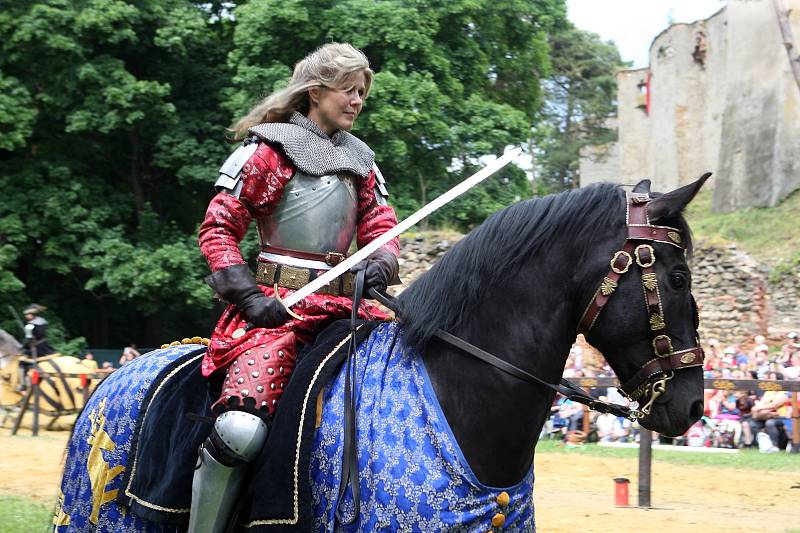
x: 330, y: 65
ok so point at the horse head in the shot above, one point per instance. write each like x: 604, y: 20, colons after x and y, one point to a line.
x: 648, y: 329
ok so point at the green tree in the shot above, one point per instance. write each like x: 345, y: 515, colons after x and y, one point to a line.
x: 113, y: 116
x: 456, y: 80
x: 580, y: 96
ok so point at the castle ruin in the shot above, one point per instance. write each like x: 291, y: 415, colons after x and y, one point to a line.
x: 720, y: 96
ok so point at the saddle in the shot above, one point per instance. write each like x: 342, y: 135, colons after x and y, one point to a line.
x: 167, y: 437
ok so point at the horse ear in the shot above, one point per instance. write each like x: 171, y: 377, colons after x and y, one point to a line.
x: 671, y: 204
x: 642, y: 187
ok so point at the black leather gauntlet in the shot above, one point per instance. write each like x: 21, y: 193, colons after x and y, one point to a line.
x: 381, y: 270
x: 236, y: 285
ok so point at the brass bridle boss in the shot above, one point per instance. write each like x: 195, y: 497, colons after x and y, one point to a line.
x: 650, y: 381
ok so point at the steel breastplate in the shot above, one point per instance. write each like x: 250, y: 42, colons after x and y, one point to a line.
x: 315, y: 215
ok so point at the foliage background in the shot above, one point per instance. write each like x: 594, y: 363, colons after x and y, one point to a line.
x: 113, y: 116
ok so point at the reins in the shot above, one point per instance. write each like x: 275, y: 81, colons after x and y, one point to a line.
x: 566, y: 388
x: 349, y: 475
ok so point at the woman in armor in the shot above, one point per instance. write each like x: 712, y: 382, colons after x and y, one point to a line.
x: 310, y: 186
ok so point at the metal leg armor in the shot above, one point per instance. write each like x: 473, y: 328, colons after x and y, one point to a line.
x: 236, y: 439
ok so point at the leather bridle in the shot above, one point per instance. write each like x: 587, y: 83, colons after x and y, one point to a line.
x: 650, y: 381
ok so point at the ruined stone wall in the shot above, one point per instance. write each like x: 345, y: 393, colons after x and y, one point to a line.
x: 722, y: 99
x: 731, y: 293
x: 736, y: 298
x: 758, y: 160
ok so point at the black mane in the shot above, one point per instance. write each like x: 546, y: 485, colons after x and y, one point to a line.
x: 496, y: 249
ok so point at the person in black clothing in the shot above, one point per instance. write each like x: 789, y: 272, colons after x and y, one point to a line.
x: 35, y: 343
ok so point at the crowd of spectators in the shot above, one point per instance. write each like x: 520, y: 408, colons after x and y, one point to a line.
x: 732, y: 419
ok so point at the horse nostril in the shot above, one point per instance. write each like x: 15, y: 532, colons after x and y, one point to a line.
x: 697, y: 410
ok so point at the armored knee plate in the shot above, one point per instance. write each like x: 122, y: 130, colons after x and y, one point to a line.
x: 240, y: 434
x: 236, y: 439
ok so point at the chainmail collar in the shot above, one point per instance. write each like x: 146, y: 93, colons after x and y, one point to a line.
x: 313, y: 152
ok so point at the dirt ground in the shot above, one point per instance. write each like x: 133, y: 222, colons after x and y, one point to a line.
x: 572, y: 493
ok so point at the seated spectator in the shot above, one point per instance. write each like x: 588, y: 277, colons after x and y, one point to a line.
x: 727, y: 429
x: 790, y: 351
x: 698, y: 435
x: 744, y: 403
x: 606, y: 371
x: 571, y: 413
x: 760, y: 361
x: 771, y: 414
x: 739, y: 357
x: 107, y: 367
x: 611, y: 428
x: 792, y: 372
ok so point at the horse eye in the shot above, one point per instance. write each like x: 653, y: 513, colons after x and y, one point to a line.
x: 678, y: 281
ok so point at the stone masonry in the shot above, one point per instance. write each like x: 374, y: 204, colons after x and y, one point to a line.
x: 718, y: 96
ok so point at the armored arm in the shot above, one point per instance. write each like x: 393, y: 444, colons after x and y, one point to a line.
x: 375, y: 217
x: 250, y: 182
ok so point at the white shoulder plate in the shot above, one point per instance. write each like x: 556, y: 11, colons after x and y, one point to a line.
x: 229, y: 173
x: 381, y: 193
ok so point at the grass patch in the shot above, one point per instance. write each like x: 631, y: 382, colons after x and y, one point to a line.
x: 769, y: 234
x: 20, y: 515
x: 749, y: 459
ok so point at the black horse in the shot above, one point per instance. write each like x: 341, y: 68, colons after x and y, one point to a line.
x: 517, y: 287
x: 598, y: 260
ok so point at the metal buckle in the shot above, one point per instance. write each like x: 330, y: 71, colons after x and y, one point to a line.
x: 617, y: 256
x: 659, y: 387
x: 334, y: 258
x: 655, y: 345
x: 639, y: 259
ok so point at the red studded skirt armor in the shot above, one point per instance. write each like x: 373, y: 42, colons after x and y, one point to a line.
x: 259, y: 362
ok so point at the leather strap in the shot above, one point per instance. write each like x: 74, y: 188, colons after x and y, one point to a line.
x: 674, y: 361
x: 663, y: 234
x: 565, y: 387
x: 291, y: 277
x: 331, y: 258
x: 349, y: 474
x: 620, y: 264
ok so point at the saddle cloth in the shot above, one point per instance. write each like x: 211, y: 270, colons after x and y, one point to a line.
x: 413, y: 475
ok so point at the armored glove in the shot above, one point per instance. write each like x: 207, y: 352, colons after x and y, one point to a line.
x: 381, y: 269
x: 236, y: 285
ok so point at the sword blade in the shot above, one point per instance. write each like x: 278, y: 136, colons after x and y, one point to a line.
x: 423, y: 212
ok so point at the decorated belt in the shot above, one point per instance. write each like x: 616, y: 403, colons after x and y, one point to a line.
x: 292, y: 277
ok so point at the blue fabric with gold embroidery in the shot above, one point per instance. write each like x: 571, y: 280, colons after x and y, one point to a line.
x: 99, y: 448
x: 413, y: 475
